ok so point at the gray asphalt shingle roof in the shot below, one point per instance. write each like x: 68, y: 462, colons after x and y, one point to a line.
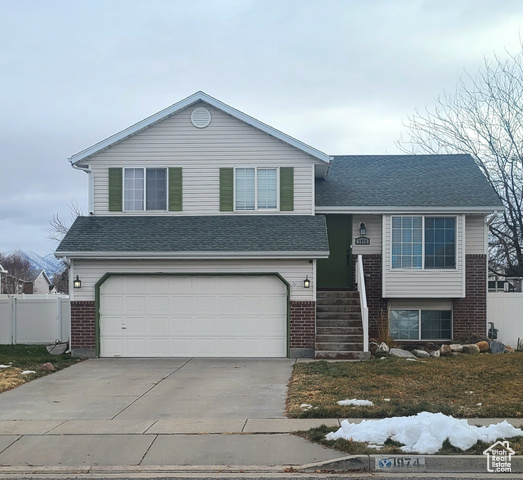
x: 229, y: 233
x: 405, y: 180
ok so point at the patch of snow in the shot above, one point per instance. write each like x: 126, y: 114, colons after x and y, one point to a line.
x: 377, y: 447
x: 411, y: 359
x: 386, y: 399
x: 305, y: 406
x: 27, y: 372
x: 5, y: 366
x: 424, y: 432
x: 356, y: 403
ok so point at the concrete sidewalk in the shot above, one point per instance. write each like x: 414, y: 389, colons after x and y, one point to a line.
x: 190, y: 445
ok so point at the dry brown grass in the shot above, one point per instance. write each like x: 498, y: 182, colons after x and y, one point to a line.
x: 462, y: 386
x: 28, y: 357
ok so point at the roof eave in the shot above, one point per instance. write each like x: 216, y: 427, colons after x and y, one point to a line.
x: 194, y: 98
x: 407, y: 209
x: 196, y: 255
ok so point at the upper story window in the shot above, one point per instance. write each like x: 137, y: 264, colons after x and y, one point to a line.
x: 256, y: 189
x: 145, y: 187
x: 424, y: 242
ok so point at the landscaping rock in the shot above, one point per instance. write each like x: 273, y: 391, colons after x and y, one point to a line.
x: 470, y: 349
x: 509, y: 349
x: 400, y: 353
x: 483, y: 346
x: 421, y: 353
x: 445, y: 351
x: 435, y: 354
x: 431, y: 347
x: 382, y: 350
x: 497, y: 347
x: 48, y: 367
x: 456, y: 348
x: 373, y: 346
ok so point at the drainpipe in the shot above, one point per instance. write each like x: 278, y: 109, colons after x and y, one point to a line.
x: 86, y: 169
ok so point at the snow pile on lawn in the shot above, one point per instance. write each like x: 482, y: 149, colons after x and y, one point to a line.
x: 424, y: 432
x: 356, y: 403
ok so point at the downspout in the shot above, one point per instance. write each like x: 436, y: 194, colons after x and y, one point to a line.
x: 86, y: 169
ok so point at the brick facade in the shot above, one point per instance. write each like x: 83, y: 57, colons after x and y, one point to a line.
x: 302, y: 325
x: 377, y: 305
x: 470, y: 313
x: 83, y: 327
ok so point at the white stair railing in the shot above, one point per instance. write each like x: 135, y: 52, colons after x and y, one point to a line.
x: 360, y: 280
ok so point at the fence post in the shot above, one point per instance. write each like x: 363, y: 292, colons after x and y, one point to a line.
x: 13, y: 320
x: 59, y: 318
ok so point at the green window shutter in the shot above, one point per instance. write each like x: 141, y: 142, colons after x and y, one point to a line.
x: 226, y: 189
x: 175, y: 189
x: 286, y: 189
x: 115, y: 189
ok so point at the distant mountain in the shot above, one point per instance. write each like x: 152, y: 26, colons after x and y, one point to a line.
x: 48, y: 263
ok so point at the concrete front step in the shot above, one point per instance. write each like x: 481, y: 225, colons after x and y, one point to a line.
x: 326, y: 338
x: 339, y: 346
x: 339, y: 308
x: 330, y: 355
x: 338, y: 315
x: 338, y: 323
x: 325, y: 330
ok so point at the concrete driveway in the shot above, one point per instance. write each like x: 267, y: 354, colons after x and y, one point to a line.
x: 145, y: 390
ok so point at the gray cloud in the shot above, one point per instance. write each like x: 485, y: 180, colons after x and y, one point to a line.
x: 339, y: 75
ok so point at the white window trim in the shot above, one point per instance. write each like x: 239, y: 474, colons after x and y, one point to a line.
x: 419, y: 324
x: 145, y: 188
x: 256, y: 209
x: 402, y: 269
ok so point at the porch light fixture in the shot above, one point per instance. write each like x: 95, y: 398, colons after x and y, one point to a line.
x: 363, y: 229
x: 77, y: 282
x: 306, y: 282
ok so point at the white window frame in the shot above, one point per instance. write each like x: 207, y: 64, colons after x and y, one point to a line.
x: 256, y: 208
x: 419, y: 310
x: 145, y: 188
x: 455, y: 217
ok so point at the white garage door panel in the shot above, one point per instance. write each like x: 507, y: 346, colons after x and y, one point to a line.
x: 182, y: 316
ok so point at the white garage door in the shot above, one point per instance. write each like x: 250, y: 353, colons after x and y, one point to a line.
x: 193, y: 316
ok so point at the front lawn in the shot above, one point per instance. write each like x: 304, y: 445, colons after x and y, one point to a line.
x: 480, y: 385
x: 15, y: 359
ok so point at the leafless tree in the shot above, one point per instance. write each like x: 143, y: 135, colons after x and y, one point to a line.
x: 61, y: 280
x: 484, y: 118
x: 19, y: 272
x: 58, y: 227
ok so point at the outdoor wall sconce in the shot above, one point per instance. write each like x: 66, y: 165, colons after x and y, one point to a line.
x: 77, y: 282
x: 306, y: 282
x: 363, y: 229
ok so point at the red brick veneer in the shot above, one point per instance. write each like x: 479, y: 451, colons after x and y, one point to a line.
x: 470, y: 313
x: 302, y: 324
x: 83, y: 325
x: 377, y: 305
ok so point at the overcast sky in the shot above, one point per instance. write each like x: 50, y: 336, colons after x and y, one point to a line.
x: 339, y: 75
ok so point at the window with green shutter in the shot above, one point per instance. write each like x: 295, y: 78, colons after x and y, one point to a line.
x: 226, y: 189
x: 175, y: 189
x: 115, y: 189
x: 287, y: 189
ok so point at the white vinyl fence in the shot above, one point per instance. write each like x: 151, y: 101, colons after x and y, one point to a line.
x: 505, y: 310
x: 34, y: 319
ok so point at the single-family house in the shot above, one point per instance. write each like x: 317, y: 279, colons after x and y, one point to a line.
x: 41, y: 283
x: 3, y: 279
x: 213, y: 234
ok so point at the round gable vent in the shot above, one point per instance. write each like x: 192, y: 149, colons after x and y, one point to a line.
x: 200, y: 117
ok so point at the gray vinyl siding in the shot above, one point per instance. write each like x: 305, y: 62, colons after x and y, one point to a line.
x: 294, y: 271
x: 373, y: 225
x: 414, y: 283
x: 476, y: 235
x: 226, y: 142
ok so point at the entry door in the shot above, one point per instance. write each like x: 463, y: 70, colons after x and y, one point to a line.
x: 336, y: 271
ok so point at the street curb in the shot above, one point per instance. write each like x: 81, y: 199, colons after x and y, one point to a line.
x: 427, y: 464
x: 351, y: 463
